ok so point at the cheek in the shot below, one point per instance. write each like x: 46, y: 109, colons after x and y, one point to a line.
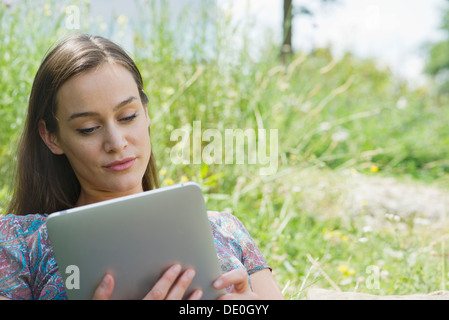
x: 148, y: 142
x: 143, y: 144
x: 80, y: 153
x: 142, y: 135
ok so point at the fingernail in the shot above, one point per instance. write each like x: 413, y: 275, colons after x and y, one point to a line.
x: 176, y: 268
x: 198, y: 294
x: 190, y: 274
x: 106, y: 281
x: 218, y: 283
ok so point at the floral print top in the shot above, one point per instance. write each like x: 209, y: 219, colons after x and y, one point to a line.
x: 28, y: 268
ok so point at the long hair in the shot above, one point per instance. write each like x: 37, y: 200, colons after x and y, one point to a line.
x: 45, y: 182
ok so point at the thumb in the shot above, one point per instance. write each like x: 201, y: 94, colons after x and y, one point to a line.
x: 238, y: 278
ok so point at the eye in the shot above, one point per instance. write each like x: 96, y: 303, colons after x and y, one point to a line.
x: 129, y: 118
x: 87, y: 131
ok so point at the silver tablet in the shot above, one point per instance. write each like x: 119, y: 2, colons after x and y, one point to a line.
x: 136, y: 238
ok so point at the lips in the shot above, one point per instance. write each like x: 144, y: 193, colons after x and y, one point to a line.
x: 121, y: 165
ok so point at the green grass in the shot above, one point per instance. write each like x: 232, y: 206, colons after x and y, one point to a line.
x: 331, y: 116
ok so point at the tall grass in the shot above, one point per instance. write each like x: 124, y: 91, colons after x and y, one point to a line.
x: 332, y: 116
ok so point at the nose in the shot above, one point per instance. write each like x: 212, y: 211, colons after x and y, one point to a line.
x: 115, y: 140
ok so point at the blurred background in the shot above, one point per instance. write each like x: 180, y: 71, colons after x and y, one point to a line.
x: 359, y: 94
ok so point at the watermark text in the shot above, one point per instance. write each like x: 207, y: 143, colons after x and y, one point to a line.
x: 189, y: 147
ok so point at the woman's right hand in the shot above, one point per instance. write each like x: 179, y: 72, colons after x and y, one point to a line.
x: 171, y: 286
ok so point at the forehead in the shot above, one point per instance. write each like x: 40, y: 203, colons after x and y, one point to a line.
x: 97, y: 88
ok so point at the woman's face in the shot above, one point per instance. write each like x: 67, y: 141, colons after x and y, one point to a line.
x: 103, y: 131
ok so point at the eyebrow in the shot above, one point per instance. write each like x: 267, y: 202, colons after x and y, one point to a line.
x: 91, y: 113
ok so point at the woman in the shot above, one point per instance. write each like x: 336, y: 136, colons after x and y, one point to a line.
x: 86, y: 139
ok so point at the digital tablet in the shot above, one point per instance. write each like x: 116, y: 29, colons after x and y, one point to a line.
x: 135, y: 238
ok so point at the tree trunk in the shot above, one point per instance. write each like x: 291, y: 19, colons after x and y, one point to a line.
x: 286, y: 49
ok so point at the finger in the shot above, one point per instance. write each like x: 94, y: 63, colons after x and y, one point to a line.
x: 163, y: 285
x: 237, y: 277
x: 179, y: 289
x: 105, y: 289
x: 196, y: 295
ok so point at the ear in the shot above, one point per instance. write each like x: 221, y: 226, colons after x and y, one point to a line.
x: 49, y: 139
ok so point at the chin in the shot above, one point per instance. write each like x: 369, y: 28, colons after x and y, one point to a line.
x: 126, y: 187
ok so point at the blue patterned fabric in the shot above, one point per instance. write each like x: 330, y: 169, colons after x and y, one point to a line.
x: 28, y: 269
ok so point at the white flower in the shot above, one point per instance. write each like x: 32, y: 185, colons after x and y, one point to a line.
x: 392, y: 217
x: 402, y: 103
x: 324, y: 126
x: 341, y: 135
x: 168, y: 91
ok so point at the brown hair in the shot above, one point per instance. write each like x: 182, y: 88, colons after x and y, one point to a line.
x: 45, y: 182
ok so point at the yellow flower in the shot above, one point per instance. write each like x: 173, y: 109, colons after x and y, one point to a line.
x: 163, y: 172
x: 345, y: 270
x: 374, y: 168
x: 184, y: 179
x: 47, y: 9
x: 169, y: 182
x: 335, y: 236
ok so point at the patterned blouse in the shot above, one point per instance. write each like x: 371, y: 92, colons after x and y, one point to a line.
x: 28, y: 269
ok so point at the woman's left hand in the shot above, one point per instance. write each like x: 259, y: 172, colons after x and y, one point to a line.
x: 238, y: 279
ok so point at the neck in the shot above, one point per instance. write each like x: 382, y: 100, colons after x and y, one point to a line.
x: 88, y: 197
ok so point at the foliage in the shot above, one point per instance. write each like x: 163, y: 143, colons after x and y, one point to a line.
x: 438, y: 61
